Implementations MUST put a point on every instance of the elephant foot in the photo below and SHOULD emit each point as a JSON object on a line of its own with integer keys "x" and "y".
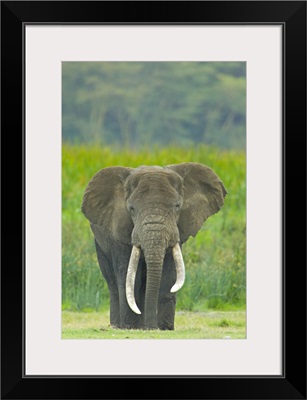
{"x": 161, "y": 328}
{"x": 127, "y": 325}
{"x": 166, "y": 327}
{"x": 150, "y": 327}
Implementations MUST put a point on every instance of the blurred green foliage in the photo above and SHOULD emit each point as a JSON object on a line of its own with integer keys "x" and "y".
{"x": 137, "y": 104}
{"x": 215, "y": 259}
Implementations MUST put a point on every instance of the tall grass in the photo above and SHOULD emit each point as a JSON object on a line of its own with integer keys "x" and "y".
{"x": 215, "y": 259}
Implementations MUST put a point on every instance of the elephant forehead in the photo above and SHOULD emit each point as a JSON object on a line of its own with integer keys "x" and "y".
{"x": 154, "y": 176}
{"x": 153, "y": 171}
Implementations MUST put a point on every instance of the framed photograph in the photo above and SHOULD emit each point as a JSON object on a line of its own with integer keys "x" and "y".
{"x": 162, "y": 149}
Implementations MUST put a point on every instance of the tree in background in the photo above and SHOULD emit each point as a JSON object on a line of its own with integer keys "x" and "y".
{"x": 137, "y": 104}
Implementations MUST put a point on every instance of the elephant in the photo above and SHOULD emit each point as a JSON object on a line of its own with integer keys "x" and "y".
{"x": 140, "y": 217}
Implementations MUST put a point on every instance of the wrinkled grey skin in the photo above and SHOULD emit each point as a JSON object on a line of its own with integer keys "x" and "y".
{"x": 152, "y": 208}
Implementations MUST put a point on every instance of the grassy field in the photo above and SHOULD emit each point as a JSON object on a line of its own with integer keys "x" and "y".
{"x": 215, "y": 259}
{"x": 189, "y": 325}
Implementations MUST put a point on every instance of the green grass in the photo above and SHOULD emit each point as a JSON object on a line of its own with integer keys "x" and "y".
{"x": 215, "y": 259}
{"x": 188, "y": 325}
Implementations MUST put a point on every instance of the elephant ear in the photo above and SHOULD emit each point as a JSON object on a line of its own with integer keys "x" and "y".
{"x": 203, "y": 196}
{"x": 104, "y": 202}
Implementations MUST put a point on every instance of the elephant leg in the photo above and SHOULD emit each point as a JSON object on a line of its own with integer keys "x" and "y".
{"x": 166, "y": 312}
{"x": 114, "y": 310}
{"x": 167, "y": 300}
{"x": 108, "y": 274}
{"x": 128, "y": 318}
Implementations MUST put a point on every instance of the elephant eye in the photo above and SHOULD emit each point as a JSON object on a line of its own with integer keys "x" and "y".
{"x": 177, "y": 205}
{"x": 130, "y": 208}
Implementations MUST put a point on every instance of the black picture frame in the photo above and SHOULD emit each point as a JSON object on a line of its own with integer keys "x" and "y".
{"x": 291, "y": 15}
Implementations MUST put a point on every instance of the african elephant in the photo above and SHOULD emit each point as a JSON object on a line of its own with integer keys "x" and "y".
{"x": 140, "y": 218}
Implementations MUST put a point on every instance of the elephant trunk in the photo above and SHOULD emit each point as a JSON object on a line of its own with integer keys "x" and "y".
{"x": 154, "y": 257}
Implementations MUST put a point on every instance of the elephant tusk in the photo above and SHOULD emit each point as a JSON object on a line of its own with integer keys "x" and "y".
{"x": 130, "y": 279}
{"x": 180, "y": 270}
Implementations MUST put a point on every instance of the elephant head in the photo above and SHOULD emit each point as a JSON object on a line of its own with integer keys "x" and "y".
{"x": 153, "y": 209}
